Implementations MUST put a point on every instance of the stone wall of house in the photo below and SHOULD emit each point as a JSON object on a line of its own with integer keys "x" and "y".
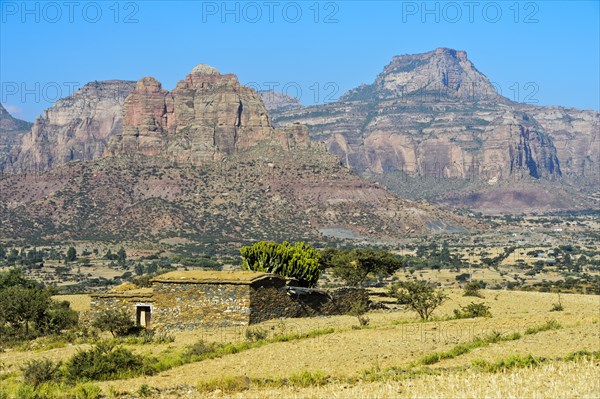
{"x": 270, "y": 302}
{"x": 190, "y": 306}
{"x": 100, "y": 303}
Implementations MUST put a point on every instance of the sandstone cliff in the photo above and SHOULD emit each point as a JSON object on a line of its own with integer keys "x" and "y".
{"x": 12, "y": 131}
{"x": 207, "y": 116}
{"x": 77, "y": 127}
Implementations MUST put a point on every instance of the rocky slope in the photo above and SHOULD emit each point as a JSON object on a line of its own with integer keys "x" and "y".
{"x": 12, "y": 131}
{"x": 433, "y": 118}
{"x": 77, "y": 127}
{"x": 265, "y": 192}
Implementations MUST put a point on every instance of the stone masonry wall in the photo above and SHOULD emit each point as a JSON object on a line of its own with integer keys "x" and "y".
{"x": 270, "y": 302}
{"x": 114, "y": 302}
{"x": 189, "y": 306}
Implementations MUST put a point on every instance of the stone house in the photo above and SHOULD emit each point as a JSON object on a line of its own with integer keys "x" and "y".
{"x": 188, "y": 300}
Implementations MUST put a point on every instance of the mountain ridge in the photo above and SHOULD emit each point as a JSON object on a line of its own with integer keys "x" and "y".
{"x": 435, "y": 114}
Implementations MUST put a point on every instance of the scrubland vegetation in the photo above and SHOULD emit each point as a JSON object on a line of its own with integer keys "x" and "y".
{"x": 445, "y": 320}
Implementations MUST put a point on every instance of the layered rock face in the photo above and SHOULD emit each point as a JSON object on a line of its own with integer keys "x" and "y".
{"x": 207, "y": 116}
{"x": 276, "y": 101}
{"x": 12, "y": 131}
{"x": 576, "y": 136}
{"x": 77, "y": 127}
{"x": 435, "y": 115}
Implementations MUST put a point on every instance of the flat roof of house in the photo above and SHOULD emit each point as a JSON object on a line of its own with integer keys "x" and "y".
{"x": 133, "y": 293}
{"x": 213, "y": 277}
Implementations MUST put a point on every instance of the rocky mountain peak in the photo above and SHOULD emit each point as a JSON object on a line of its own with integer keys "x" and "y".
{"x": 203, "y": 69}
{"x": 8, "y": 123}
{"x": 439, "y": 74}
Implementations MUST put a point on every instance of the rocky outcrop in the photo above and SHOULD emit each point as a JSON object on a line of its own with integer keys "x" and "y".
{"x": 575, "y": 134}
{"x": 277, "y": 101}
{"x": 77, "y": 127}
{"x": 12, "y": 131}
{"x": 207, "y": 116}
{"x": 10, "y": 124}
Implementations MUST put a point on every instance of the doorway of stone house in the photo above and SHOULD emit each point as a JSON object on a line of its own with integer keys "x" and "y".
{"x": 143, "y": 316}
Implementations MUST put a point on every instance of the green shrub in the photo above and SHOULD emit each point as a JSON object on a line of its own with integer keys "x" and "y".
{"x": 472, "y": 288}
{"x": 225, "y": 384}
{"x": 106, "y": 362}
{"x": 472, "y": 310}
{"x": 144, "y": 390}
{"x": 508, "y": 363}
{"x": 298, "y": 261}
{"x": 255, "y": 334}
{"x": 87, "y": 391}
{"x": 583, "y": 354}
{"x": 118, "y": 322}
{"x": 308, "y": 379}
{"x": 26, "y": 392}
{"x": 36, "y": 372}
{"x": 164, "y": 338}
{"x": 557, "y": 307}
{"x": 419, "y": 295}
{"x": 549, "y": 325}
{"x": 59, "y": 316}
{"x": 200, "y": 348}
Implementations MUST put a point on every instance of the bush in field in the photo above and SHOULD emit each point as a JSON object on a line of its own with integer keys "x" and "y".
{"x": 472, "y": 288}
{"x": 256, "y": 334}
{"x": 358, "y": 310}
{"x": 59, "y": 316}
{"x": 36, "y": 372}
{"x": 199, "y": 348}
{"x": 299, "y": 260}
{"x": 105, "y": 361}
{"x": 418, "y": 295}
{"x": 118, "y": 322}
{"x": 472, "y": 310}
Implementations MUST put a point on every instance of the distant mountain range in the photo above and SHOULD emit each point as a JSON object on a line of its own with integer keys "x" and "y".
{"x": 122, "y": 160}
{"x": 432, "y": 126}
{"x": 215, "y": 160}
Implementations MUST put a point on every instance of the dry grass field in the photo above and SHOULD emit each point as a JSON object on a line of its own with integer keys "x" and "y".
{"x": 383, "y": 359}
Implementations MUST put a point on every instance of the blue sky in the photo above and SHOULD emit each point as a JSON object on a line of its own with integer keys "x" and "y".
{"x": 537, "y": 51}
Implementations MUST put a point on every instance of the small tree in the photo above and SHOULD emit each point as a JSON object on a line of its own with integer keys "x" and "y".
{"x": 71, "y": 254}
{"x": 117, "y": 322}
{"x": 122, "y": 256}
{"x": 356, "y": 265}
{"x": 419, "y": 295}
{"x": 358, "y": 310}
{"x": 139, "y": 269}
{"x": 472, "y": 288}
